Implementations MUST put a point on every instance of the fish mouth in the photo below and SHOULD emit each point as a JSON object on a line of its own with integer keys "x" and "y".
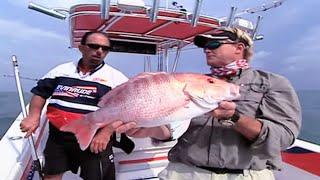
{"x": 204, "y": 102}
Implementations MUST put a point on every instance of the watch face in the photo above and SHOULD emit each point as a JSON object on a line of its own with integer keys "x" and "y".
{"x": 226, "y": 123}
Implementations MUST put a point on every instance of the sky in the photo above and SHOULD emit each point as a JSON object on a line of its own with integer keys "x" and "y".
{"x": 290, "y": 46}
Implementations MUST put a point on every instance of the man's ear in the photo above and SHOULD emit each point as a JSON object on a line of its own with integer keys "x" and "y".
{"x": 240, "y": 47}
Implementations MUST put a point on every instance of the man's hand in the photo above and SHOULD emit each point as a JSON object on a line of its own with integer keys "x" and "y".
{"x": 225, "y": 110}
{"x": 158, "y": 132}
{"x": 248, "y": 126}
{"x": 101, "y": 139}
{"x": 126, "y": 127}
{"x": 29, "y": 125}
{"x": 139, "y": 132}
{"x": 31, "y": 122}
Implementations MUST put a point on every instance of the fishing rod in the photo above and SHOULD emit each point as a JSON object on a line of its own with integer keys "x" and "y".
{"x": 36, "y": 161}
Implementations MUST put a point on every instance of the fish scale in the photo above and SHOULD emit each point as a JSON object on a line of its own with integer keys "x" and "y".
{"x": 152, "y": 96}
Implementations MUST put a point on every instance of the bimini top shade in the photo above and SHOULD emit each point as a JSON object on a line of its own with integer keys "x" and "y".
{"x": 171, "y": 28}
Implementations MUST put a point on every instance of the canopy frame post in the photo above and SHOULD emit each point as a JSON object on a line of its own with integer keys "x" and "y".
{"x": 196, "y": 13}
{"x": 154, "y": 10}
{"x": 231, "y": 16}
{"x": 105, "y": 8}
{"x": 255, "y": 35}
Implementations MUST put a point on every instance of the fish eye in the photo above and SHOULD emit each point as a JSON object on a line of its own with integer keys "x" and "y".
{"x": 211, "y": 81}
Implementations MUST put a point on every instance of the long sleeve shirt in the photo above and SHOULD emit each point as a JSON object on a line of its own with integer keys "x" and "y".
{"x": 267, "y": 97}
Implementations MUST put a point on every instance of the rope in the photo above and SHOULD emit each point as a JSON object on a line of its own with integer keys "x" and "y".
{"x": 21, "y": 77}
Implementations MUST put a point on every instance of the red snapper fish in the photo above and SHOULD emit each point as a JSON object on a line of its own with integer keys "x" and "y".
{"x": 154, "y": 99}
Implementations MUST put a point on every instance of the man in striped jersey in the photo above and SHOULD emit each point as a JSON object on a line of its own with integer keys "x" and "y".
{"x": 72, "y": 90}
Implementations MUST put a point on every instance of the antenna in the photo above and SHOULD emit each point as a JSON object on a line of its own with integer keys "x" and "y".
{"x": 263, "y": 7}
{"x": 235, "y": 19}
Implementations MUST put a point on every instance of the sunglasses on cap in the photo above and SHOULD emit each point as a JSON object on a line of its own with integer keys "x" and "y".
{"x": 97, "y": 46}
{"x": 215, "y": 44}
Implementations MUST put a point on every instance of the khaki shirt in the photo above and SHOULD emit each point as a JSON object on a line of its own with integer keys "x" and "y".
{"x": 269, "y": 98}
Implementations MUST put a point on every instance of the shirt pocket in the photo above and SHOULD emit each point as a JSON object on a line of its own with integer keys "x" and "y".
{"x": 251, "y": 97}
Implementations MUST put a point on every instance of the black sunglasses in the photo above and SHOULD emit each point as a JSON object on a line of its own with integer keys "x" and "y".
{"x": 215, "y": 44}
{"x": 97, "y": 46}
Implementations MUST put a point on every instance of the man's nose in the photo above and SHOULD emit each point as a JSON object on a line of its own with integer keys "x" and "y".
{"x": 206, "y": 50}
{"x": 100, "y": 51}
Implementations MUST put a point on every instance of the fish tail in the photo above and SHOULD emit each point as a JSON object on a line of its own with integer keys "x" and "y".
{"x": 83, "y": 130}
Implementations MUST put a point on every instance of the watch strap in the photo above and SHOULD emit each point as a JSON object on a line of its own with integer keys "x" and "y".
{"x": 235, "y": 117}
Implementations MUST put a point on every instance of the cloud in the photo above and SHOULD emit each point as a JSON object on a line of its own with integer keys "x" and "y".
{"x": 23, "y": 31}
{"x": 309, "y": 41}
{"x": 259, "y": 59}
{"x": 261, "y": 55}
{"x": 305, "y": 51}
{"x": 21, "y": 3}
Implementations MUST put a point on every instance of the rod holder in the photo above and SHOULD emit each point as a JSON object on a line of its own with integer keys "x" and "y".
{"x": 47, "y": 11}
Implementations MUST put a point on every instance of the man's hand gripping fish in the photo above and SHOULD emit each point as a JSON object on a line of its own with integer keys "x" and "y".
{"x": 154, "y": 99}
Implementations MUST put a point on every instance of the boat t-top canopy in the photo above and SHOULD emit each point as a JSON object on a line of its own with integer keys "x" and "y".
{"x": 132, "y": 30}
{"x": 136, "y": 28}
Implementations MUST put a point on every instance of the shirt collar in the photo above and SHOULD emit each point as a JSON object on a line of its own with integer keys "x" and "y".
{"x": 91, "y": 71}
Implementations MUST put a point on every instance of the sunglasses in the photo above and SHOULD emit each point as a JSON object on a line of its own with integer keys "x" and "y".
{"x": 215, "y": 44}
{"x": 97, "y": 46}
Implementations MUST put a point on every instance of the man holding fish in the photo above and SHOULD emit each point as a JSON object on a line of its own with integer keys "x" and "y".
{"x": 241, "y": 118}
{"x": 243, "y": 138}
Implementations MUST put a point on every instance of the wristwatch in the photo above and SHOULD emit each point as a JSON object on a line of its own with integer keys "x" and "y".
{"x": 230, "y": 122}
{"x": 235, "y": 117}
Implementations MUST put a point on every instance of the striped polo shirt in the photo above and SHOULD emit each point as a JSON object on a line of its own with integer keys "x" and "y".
{"x": 72, "y": 93}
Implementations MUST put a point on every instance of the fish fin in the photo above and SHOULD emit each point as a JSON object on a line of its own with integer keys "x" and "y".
{"x": 187, "y": 97}
{"x": 83, "y": 130}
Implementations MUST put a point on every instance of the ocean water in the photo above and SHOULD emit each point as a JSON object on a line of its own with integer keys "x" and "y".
{"x": 10, "y": 109}
{"x": 309, "y": 99}
{"x": 310, "y": 103}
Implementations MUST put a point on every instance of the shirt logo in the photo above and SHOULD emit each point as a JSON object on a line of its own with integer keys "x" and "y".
{"x": 99, "y": 80}
{"x": 75, "y": 91}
